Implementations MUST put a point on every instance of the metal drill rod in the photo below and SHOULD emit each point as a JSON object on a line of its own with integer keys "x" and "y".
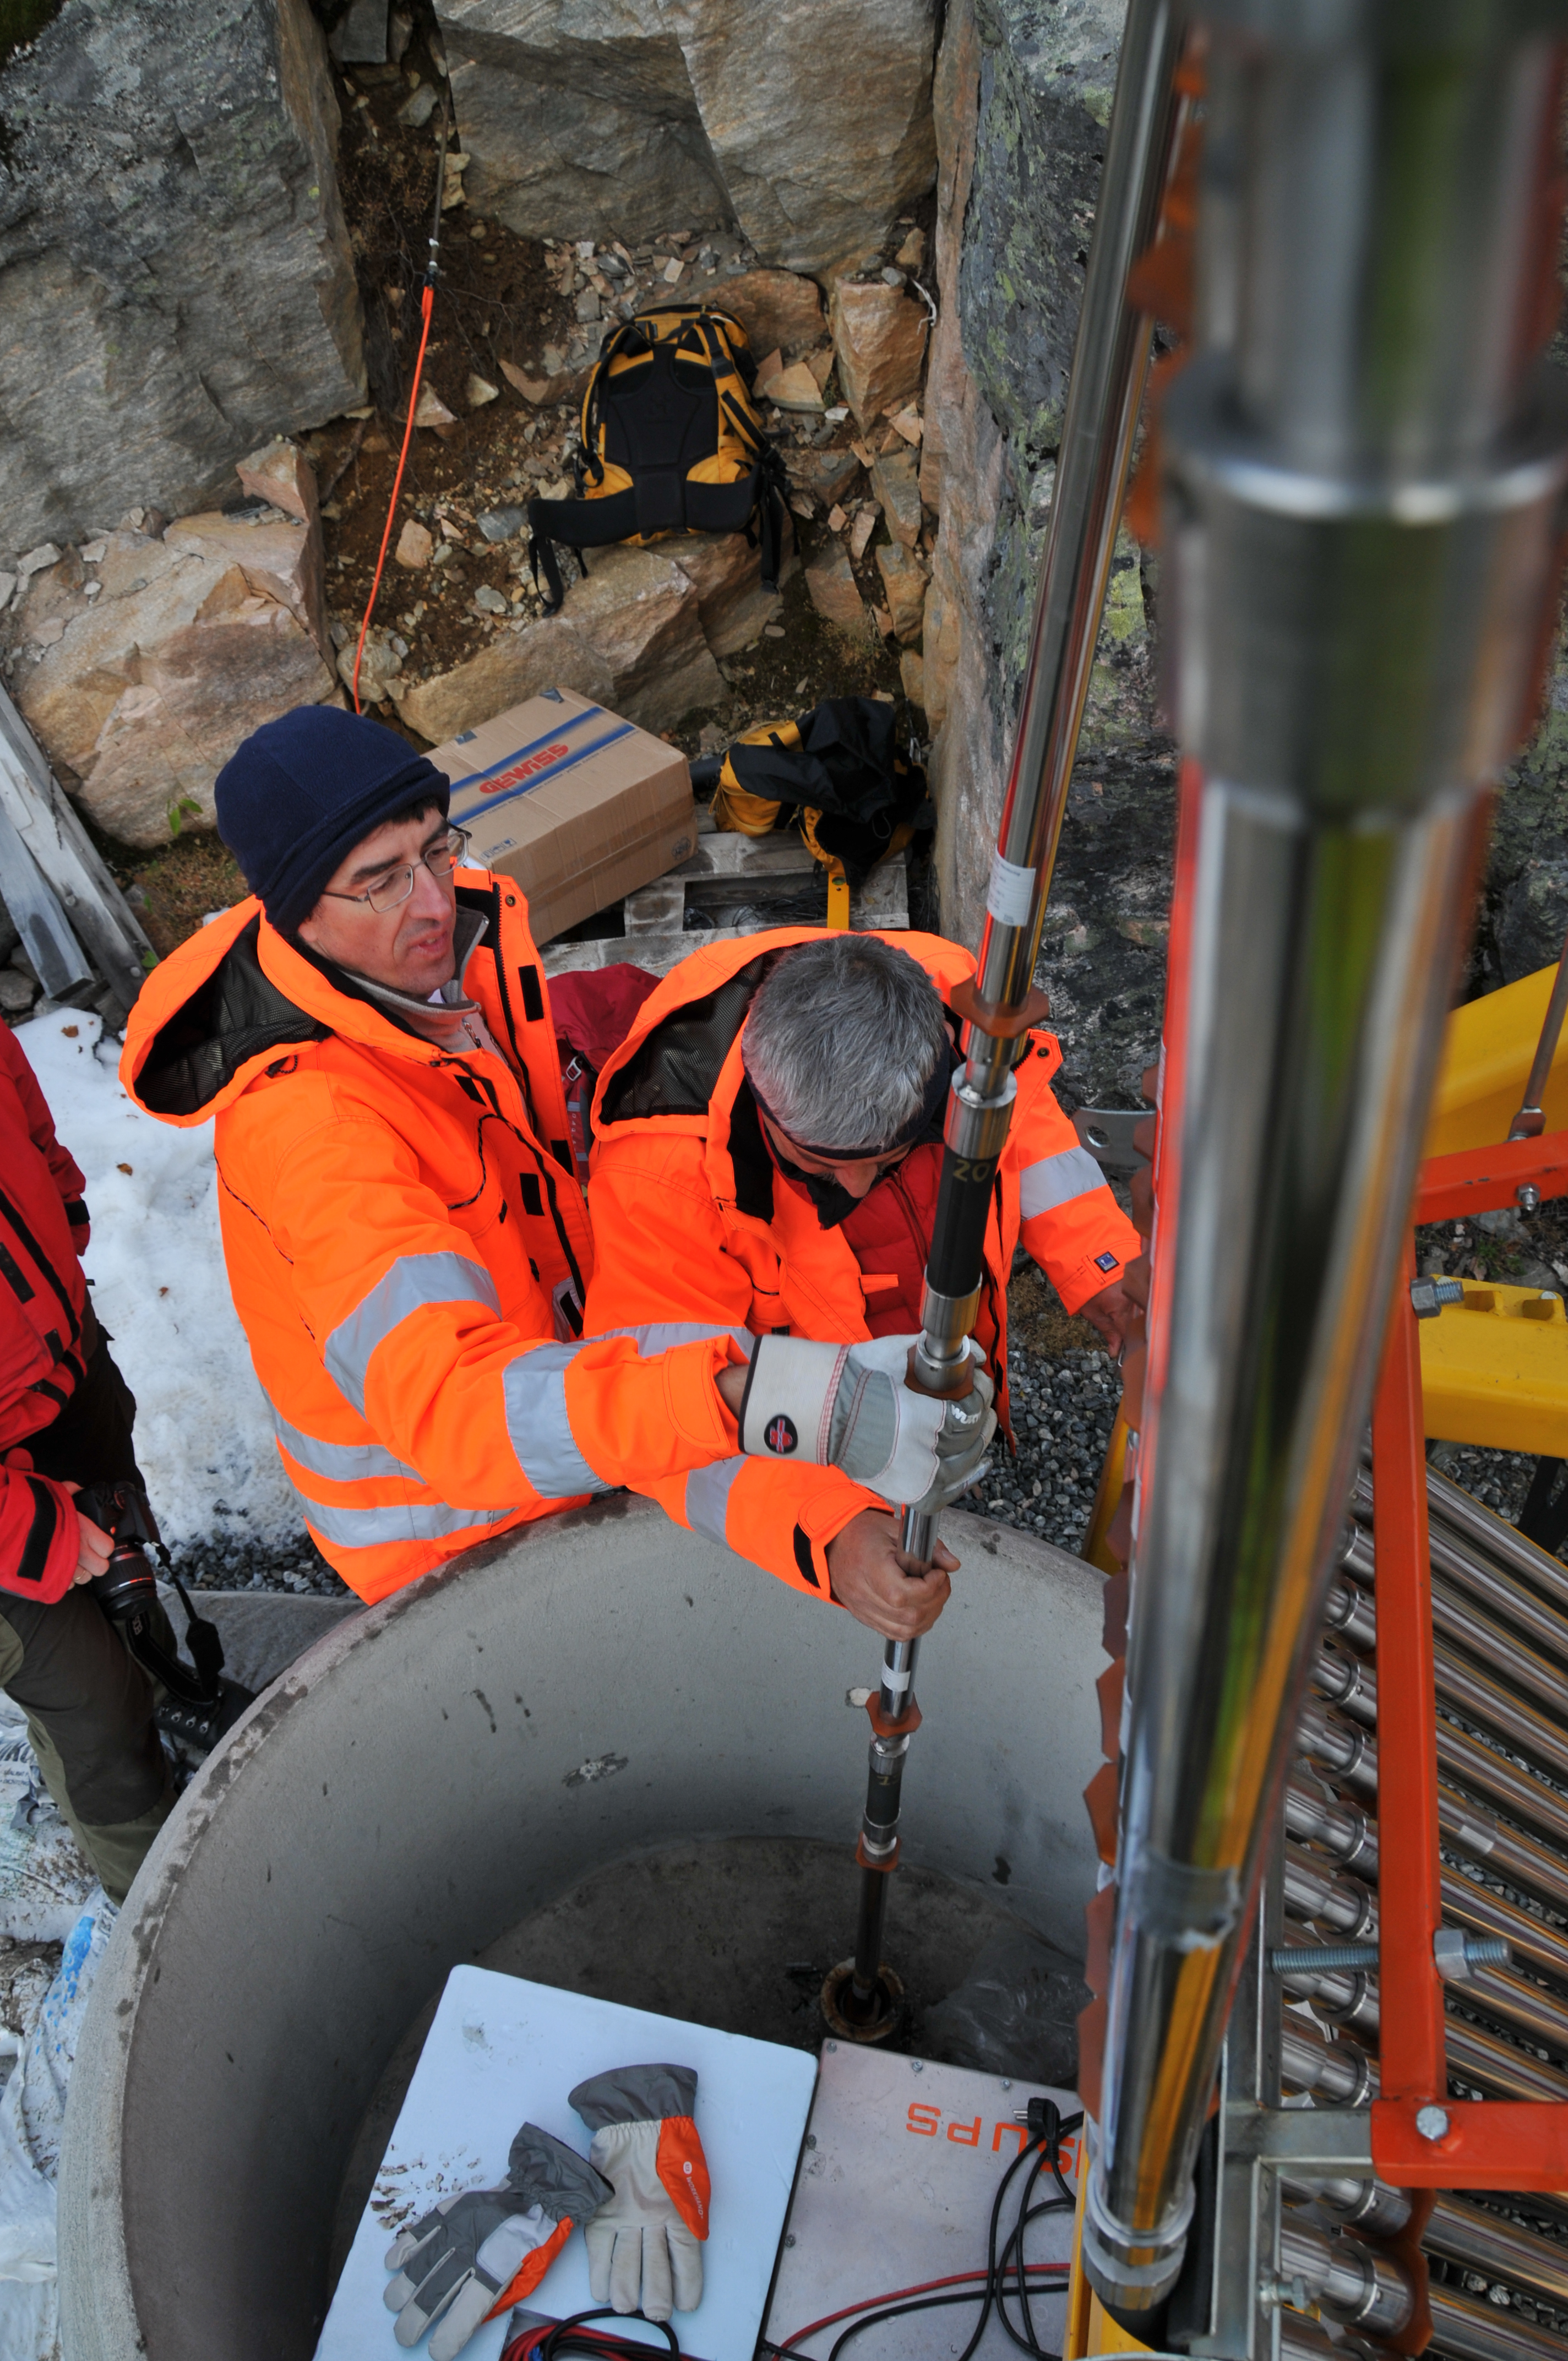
{"x": 1510, "y": 1587}
{"x": 1469, "y": 2329}
{"x": 1495, "y": 1539}
{"x": 1531, "y": 1121}
{"x": 1109, "y": 366}
{"x": 1362, "y": 487}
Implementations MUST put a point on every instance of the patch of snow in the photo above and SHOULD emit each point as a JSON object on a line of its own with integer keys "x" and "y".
{"x": 203, "y": 1432}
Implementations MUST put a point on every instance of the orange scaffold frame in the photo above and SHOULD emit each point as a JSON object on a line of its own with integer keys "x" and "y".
{"x": 1488, "y": 2143}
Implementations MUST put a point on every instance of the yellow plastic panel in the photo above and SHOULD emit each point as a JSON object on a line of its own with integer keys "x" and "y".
{"x": 1485, "y": 1064}
{"x": 1495, "y": 1370}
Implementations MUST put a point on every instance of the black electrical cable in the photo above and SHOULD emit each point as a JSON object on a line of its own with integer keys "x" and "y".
{"x": 1050, "y": 2129}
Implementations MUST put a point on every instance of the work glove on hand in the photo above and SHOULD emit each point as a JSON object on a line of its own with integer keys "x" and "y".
{"x": 644, "y": 2243}
{"x": 487, "y": 2248}
{"x": 847, "y": 1406}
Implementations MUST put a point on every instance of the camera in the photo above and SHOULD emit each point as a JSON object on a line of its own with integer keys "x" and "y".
{"x": 122, "y": 1510}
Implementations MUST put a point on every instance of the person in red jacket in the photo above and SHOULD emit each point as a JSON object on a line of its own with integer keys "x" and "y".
{"x": 65, "y": 1422}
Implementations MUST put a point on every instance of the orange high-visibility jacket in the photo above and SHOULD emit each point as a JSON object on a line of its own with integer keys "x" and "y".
{"x": 407, "y": 1247}
{"x": 693, "y": 1221}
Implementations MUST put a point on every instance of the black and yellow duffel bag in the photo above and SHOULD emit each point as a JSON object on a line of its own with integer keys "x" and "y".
{"x": 837, "y": 775}
{"x": 672, "y": 441}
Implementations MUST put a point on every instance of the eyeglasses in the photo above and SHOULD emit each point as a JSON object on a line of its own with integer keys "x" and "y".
{"x": 386, "y": 893}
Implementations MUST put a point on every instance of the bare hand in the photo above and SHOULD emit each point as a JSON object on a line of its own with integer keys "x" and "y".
{"x": 1110, "y": 1312}
{"x": 879, "y": 1586}
{"x": 94, "y": 1547}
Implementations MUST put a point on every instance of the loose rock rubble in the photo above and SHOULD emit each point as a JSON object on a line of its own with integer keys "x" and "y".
{"x": 1064, "y": 1406}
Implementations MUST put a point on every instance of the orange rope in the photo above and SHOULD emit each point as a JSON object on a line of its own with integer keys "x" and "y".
{"x": 427, "y": 301}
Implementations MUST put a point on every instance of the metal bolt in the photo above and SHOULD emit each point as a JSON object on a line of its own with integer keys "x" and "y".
{"x": 1432, "y": 2123}
{"x": 789, "y": 2237}
{"x": 1321, "y": 1958}
{"x": 811, "y": 2139}
{"x": 1527, "y": 1197}
{"x": 1454, "y": 1955}
{"x": 1275, "y": 2295}
{"x": 918, "y": 2066}
{"x": 1007, "y": 2082}
{"x": 1428, "y": 1296}
{"x": 829, "y": 2045}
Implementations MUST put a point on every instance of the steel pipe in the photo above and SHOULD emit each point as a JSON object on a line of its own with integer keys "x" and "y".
{"x": 1496, "y": 1539}
{"x": 1105, "y": 393}
{"x": 1457, "y": 2229}
{"x": 1351, "y": 1685}
{"x": 1461, "y": 1622}
{"x": 1362, "y": 490}
{"x": 1352, "y": 2281}
{"x": 1481, "y": 2331}
{"x": 1343, "y": 1830}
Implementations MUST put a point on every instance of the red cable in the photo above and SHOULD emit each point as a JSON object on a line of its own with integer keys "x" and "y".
{"x": 875, "y": 2303}
{"x": 427, "y": 305}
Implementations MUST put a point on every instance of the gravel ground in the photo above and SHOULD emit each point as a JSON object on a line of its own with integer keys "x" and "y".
{"x": 1064, "y": 1406}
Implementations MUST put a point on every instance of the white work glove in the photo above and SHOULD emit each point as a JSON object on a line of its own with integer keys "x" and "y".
{"x": 486, "y": 2248}
{"x": 847, "y": 1406}
{"x": 644, "y": 2243}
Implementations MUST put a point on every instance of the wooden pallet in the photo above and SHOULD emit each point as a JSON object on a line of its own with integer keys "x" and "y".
{"x": 727, "y": 869}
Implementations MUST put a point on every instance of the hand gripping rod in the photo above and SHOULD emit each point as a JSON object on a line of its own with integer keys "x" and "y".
{"x": 1109, "y": 366}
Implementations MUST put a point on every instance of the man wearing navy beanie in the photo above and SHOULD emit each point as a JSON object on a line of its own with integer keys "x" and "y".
{"x": 406, "y": 1240}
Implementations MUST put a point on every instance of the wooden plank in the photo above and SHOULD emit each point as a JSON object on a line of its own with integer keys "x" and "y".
{"x": 62, "y": 967}
{"x": 657, "y": 953}
{"x": 100, "y": 918}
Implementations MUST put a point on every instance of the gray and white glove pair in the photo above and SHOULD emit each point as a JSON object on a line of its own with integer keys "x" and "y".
{"x": 486, "y": 2248}
{"x": 847, "y": 1406}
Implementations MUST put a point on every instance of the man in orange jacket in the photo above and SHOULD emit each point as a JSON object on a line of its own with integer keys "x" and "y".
{"x": 405, "y": 1239}
{"x": 767, "y": 1153}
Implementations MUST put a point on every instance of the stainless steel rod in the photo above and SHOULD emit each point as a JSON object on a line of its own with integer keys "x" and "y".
{"x": 1497, "y": 1539}
{"x": 1480, "y": 2332}
{"x": 1456, "y": 2228}
{"x": 1530, "y": 1121}
{"x": 1352, "y": 2281}
{"x": 1500, "y": 1591}
{"x": 1362, "y": 492}
{"x": 1105, "y": 391}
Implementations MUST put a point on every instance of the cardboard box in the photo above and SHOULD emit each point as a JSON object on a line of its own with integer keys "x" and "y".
{"x": 577, "y": 805}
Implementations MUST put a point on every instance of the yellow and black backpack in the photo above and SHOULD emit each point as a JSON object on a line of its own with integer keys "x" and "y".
{"x": 672, "y": 441}
{"x": 837, "y": 775}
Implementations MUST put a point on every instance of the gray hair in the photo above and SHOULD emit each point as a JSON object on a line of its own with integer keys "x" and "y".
{"x": 842, "y": 1039}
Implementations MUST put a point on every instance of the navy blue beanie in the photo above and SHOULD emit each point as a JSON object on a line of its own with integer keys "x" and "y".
{"x": 301, "y": 792}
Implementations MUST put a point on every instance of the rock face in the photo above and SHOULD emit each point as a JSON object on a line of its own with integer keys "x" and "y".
{"x": 728, "y": 578}
{"x": 644, "y": 618}
{"x": 1526, "y": 917}
{"x": 1022, "y": 96}
{"x": 514, "y": 667}
{"x": 580, "y": 117}
{"x": 160, "y": 655}
{"x": 808, "y": 122}
{"x": 169, "y": 209}
{"x": 780, "y": 311}
{"x": 879, "y": 335}
{"x": 835, "y": 593}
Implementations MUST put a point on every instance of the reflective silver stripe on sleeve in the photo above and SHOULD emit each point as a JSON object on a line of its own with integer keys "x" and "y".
{"x": 413, "y": 1282}
{"x": 397, "y": 1521}
{"x": 541, "y": 1431}
{"x": 708, "y": 1498}
{"x": 663, "y": 1335}
{"x": 341, "y": 1462}
{"x": 1056, "y": 1180}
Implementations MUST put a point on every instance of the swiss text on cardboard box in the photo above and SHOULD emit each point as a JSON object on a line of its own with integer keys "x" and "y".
{"x": 577, "y": 805}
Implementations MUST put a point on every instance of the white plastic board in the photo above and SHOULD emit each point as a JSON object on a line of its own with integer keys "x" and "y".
{"x": 502, "y": 2052}
{"x": 896, "y": 2185}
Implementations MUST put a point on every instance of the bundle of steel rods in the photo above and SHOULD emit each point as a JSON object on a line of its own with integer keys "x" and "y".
{"x": 1500, "y": 1617}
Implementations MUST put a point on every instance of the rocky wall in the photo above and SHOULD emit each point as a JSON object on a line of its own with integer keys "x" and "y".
{"x": 808, "y": 123}
{"x": 1022, "y": 97}
{"x": 176, "y": 282}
